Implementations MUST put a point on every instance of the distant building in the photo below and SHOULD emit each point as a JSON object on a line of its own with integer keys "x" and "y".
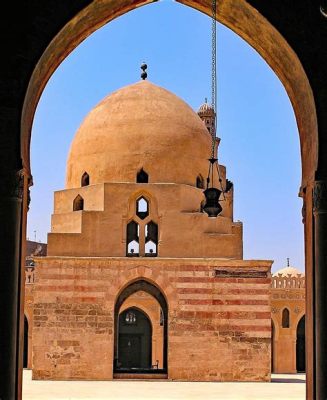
{"x": 288, "y": 320}
{"x": 33, "y": 249}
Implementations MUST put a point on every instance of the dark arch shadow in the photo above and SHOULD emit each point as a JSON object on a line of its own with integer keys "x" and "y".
{"x": 300, "y": 345}
{"x": 25, "y": 356}
{"x": 145, "y": 286}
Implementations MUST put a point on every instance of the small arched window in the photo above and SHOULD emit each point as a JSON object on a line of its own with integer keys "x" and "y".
{"x": 142, "y": 208}
{"x": 286, "y": 318}
{"x": 132, "y": 239}
{"x": 78, "y": 203}
{"x": 85, "y": 181}
{"x": 200, "y": 182}
{"x": 142, "y": 176}
{"x": 151, "y": 239}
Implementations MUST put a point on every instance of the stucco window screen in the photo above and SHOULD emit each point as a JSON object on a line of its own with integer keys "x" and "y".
{"x": 130, "y": 317}
{"x": 142, "y": 208}
{"x": 132, "y": 240}
{"x": 78, "y": 203}
{"x": 142, "y": 176}
{"x": 151, "y": 239}
{"x": 286, "y": 318}
{"x": 200, "y": 182}
{"x": 85, "y": 180}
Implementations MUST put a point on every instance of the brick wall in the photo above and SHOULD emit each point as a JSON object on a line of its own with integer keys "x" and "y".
{"x": 219, "y": 327}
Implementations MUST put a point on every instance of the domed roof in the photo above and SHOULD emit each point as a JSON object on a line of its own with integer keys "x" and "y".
{"x": 206, "y": 110}
{"x": 288, "y": 271}
{"x": 139, "y": 126}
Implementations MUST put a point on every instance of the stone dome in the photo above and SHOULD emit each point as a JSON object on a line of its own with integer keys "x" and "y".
{"x": 140, "y": 126}
{"x": 288, "y": 271}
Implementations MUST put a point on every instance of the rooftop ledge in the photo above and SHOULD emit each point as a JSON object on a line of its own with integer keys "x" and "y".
{"x": 144, "y": 261}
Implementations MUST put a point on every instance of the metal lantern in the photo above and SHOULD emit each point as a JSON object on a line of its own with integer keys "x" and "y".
{"x": 212, "y": 206}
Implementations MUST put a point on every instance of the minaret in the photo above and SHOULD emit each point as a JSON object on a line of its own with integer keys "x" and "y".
{"x": 207, "y": 114}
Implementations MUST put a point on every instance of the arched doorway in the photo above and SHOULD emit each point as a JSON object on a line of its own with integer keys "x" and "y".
{"x": 25, "y": 357}
{"x": 133, "y": 332}
{"x": 300, "y": 345}
{"x": 134, "y": 340}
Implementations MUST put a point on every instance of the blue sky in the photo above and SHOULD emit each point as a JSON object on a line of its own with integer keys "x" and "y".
{"x": 260, "y": 141}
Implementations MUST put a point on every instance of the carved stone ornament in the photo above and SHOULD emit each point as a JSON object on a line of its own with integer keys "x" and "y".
{"x": 275, "y": 310}
{"x": 304, "y": 209}
{"x": 297, "y": 310}
{"x": 18, "y": 185}
{"x": 320, "y": 196}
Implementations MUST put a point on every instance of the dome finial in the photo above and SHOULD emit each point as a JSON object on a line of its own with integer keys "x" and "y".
{"x": 143, "y": 68}
{"x": 288, "y": 262}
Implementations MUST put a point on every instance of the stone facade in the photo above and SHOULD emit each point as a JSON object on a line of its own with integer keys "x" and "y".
{"x": 218, "y": 320}
{"x": 287, "y": 292}
{"x": 288, "y": 321}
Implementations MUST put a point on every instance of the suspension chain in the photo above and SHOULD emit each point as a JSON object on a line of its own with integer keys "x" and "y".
{"x": 214, "y": 74}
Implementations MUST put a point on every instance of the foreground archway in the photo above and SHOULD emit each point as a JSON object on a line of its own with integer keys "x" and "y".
{"x": 133, "y": 332}
{"x": 245, "y": 21}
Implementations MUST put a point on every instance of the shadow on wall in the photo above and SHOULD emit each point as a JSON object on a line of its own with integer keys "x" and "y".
{"x": 300, "y": 378}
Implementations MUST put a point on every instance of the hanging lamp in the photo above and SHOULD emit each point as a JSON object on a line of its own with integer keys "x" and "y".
{"x": 212, "y": 194}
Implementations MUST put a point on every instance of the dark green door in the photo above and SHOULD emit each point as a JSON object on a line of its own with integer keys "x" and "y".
{"x": 134, "y": 340}
{"x": 130, "y": 350}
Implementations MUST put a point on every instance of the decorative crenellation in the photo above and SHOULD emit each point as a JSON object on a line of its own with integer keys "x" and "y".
{"x": 288, "y": 282}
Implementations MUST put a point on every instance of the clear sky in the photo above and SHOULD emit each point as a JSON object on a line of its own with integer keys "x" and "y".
{"x": 259, "y": 137}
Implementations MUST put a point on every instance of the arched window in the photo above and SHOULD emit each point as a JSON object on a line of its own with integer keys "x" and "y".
{"x": 132, "y": 239}
{"x": 78, "y": 203}
{"x": 286, "y": 318}
{"x": 151, "y": 239}
{"x": 142, "y": 208}
{"x": 200, "y": 182}
{"x": 85, "y": 181}
{"x": 142, "y": 176}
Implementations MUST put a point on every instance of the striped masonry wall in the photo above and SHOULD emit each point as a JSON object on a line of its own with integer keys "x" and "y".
{"x": 219, "y": 316}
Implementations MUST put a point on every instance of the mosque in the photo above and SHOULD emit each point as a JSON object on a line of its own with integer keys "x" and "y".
{"x": 138, "y": 281}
